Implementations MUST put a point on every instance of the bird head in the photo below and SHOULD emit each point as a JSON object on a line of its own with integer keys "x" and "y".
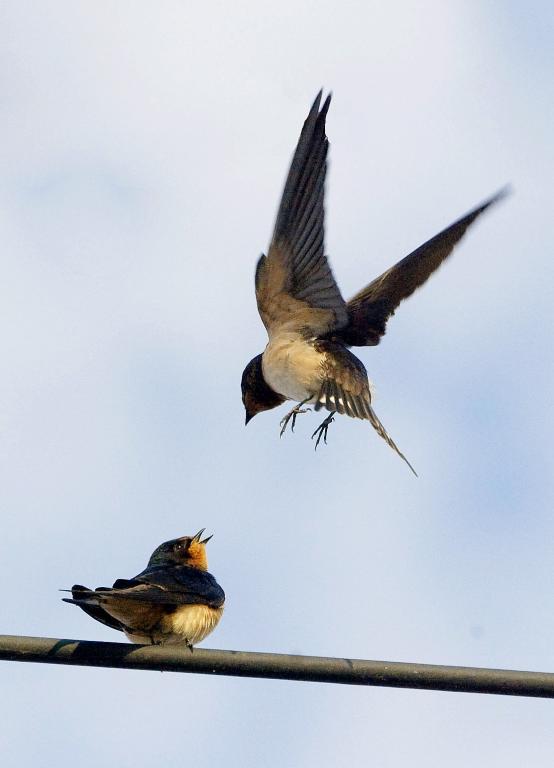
{"x": 188, "y": 550}
{"x": 257, "y": 396}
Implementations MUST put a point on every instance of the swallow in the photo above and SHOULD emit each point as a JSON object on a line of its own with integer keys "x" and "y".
{"x": 309, "y": 325}
{"x": 174, "y": 600}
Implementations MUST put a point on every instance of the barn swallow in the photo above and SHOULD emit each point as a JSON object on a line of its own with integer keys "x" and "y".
{"x": 309, "y": 325}
{"x": 174, "y": 600}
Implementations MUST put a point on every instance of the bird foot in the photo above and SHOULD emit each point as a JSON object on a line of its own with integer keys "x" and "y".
{"x": 321, "y": 431}
{"x": 292, "y": 415}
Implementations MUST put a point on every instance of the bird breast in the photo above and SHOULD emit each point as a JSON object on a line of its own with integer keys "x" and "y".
{"x": 187, "y": 623}
{"x": 292, "y": 367}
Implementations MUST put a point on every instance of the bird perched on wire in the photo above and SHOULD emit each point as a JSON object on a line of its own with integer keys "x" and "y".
{"x": 310, "y": 326}
{"x": 174, "y": 600}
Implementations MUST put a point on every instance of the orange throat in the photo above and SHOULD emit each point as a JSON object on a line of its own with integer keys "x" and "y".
{"x": 196, "y": 556}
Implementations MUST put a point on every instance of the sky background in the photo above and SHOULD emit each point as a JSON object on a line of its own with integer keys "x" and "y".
{"x": 143, "y": 149}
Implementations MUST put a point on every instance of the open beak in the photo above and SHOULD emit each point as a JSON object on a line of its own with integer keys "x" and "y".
{"x": 196, "y": 538}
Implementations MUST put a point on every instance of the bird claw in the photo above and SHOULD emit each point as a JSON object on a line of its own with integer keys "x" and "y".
{"x": 321, "y": 431}
{"x": 291, "y": 415}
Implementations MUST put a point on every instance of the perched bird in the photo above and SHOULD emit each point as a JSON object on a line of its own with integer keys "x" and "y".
{"x": 309, "y": 325}
{"x": 174, "y": 600}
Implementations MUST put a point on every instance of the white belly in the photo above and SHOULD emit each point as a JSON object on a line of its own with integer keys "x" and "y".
{"x": 188, "y": 624}
{"x": 292, "y": 368}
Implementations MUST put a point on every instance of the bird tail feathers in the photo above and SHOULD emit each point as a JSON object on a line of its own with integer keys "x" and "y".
{"x": 380, "y": 429}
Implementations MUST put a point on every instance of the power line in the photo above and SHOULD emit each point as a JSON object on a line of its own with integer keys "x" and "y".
{"x": 277, "y": 666}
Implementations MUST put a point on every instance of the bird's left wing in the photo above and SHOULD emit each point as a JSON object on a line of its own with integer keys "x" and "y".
{"x": 295, "y": 287}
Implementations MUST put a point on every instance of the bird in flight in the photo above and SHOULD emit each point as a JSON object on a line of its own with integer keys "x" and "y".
{"x": 174, "y": 600}
{"x": 309, "y": 324}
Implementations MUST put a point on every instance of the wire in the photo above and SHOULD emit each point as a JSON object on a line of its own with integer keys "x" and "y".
{"x": 277, "y": 666}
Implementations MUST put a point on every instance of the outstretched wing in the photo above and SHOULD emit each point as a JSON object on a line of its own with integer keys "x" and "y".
{"x": 369, "y": 310}
{"x": 294, "y": 283}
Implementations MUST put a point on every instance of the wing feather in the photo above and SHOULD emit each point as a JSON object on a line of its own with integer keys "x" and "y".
{"x": 370, "y": 309}
{"x": 294, "y": 283}
{"x": 84, "y": 598}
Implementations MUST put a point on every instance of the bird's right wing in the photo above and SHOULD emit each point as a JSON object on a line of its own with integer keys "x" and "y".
{"x": 176, "y": 585}
{"x": 156, "y": 587}
{"x": 370, "y": 309}
{"x": 295, "y": 287}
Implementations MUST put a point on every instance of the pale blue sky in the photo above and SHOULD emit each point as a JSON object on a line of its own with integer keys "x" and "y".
{"x": 143, "y": 150}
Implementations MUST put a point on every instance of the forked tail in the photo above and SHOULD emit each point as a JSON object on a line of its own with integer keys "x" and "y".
{"x": 380, "y": 429}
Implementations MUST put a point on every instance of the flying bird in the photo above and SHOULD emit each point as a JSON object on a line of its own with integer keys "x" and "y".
{"x": 309, "y": 325}
{"x": 174, "y": 600}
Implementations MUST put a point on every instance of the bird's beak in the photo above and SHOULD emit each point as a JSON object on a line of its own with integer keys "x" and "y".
{"x": 248, "y": 417}
{"x": 196, "y": 538}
